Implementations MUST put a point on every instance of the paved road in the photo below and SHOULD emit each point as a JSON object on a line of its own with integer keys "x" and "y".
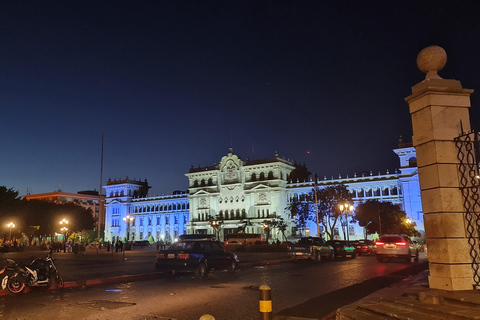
{"x": 303, "y": 289}
{"x": 102, "y": 264}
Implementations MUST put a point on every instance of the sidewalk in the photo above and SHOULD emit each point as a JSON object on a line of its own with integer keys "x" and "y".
{"x": 412, "y": 299}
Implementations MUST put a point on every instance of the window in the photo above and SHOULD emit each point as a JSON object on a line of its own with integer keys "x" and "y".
{"x": 158, "y": 220}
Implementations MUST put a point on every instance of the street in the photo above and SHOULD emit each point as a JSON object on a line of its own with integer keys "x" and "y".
{"x": 302, "y": 289}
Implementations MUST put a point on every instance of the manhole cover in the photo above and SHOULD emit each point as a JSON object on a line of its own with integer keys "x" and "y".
{"x": 104, "y": 304}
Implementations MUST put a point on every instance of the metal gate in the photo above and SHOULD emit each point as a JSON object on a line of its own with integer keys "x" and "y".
{"x": 468, "y": 155}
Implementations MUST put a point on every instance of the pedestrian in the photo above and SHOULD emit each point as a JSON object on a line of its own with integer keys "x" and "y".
{"x": 108, "y": 246}
{"x": 75, "y": 248}
{"x": 121, "y": 245}
{"x": 158, "y": 245}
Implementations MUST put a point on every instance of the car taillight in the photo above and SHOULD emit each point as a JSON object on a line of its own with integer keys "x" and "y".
{"x": 2, "y": 270}
{"x": 401, "y": 244}
{"x": 183, "y": 256}
{"x": 160, "y": 256}
{"x": 379, "y": 244}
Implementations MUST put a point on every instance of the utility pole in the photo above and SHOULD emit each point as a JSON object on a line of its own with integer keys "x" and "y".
{"x": 316, "y": 205}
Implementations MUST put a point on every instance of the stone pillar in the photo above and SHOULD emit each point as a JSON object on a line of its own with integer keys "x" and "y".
{"x": 437, "y": 107}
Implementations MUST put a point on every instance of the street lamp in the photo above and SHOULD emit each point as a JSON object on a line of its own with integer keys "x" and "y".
{"x": 127, "y": 220}
{"x": 11, "y": 225}
{"x": 346, "y": 209}
{"x": 64, "y": 230}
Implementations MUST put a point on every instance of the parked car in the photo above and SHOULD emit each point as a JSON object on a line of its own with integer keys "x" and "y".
{"x": 141, "y": 243}
{"x": 396, "y": 246}
{"x": 198, "y": 256}
{"x": 342, "y": 249}
{"x": 364, "y": 246}
{"x": 314, "y": 248}
{"x": 235, "y": 243}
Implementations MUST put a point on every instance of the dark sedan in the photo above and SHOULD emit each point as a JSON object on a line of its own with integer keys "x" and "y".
{"x": 198, "y": 256}
{"x": 364, "y": 246}
{"x": 342, "y": 249}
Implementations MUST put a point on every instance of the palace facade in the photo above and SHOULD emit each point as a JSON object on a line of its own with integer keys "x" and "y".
{"x": 235, "y": 191}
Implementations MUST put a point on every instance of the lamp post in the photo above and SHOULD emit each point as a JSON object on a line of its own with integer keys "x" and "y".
{"x": 346, "y": 209}
{"x": 64, "y": 230}
{"x": 127, "y": 220}
{"x": 11, "y": 225}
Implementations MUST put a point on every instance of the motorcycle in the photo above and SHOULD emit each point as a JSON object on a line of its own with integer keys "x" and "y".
{"x": 41, "y": 272}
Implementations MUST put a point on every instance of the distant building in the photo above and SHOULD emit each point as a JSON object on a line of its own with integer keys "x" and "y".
{"x": 86, "y": 199}
{"x": 255, "y": 190}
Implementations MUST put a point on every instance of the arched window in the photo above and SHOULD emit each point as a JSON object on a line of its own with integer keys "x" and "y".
{"x": 394, "y": 191}
{"x": 385, "y": 191}
{"x": 376, "y": 192}
{"x": 237, "y": 214}
{"x": 412, "y": 162}
{"x": 270, "y": 175}
{"x": 210, "y": 182}
{"x": 368, "y": 193}
{"x": 254, "y": 177}
{"x": 244, "y": 214}
{"x": 195, "y": 184}
{"x": 361, "y": 193}
{"x": 262, "y": 176}
{"x": 202, "y": 183}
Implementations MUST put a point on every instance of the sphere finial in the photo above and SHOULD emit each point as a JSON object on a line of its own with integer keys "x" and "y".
{"x": 431, "y": 60}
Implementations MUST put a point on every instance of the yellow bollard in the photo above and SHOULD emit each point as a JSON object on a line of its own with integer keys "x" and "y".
{"x": 207, "y": 317}
{"x": 265, "y": 303}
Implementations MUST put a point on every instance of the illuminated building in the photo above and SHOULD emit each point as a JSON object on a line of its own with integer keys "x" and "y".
{"x": 235, "y": 191}
{"x": 86, "y": 199}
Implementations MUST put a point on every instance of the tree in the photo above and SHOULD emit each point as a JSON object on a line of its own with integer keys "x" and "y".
{"x": 300, "y": 212}
{"x": 384, "y": 218}
{"x": 282, "y": 227}
{"x": 217, "y": 224}
{"x": 246, "y": 222}
{"x": 329, "y": 212}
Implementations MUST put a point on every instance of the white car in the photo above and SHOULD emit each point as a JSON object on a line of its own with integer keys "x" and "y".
{"x": 396, "y": 246}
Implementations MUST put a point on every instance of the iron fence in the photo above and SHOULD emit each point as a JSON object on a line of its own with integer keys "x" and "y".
{"x": 468, "y": 154}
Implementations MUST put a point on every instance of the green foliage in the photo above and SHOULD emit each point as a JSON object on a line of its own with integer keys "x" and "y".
{"x": 38, "y": 218}
{"x": 329, "y": 199}
{"x": 89, "y": 236}
{"x": 151, "y": 240}
{"x": 300, "y": 211}
{"x": 392, "y": 218}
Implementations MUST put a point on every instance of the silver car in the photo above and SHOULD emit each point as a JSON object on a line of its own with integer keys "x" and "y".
{"x": 396, "y": 246}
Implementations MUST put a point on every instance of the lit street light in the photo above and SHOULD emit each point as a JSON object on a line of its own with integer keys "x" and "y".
{"x": 11, "y": 225}
{"x": 128, "y": 219}
{"x": 346, "y": 209}
{"x": 64, "y": 230}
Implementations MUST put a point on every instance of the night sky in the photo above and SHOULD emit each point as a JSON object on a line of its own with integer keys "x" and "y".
{"x": 177, "y": 83}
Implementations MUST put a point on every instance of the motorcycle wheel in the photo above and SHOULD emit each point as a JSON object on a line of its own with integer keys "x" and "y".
{"x": 57, "y": 281}
{"x": 14, "y": 286}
